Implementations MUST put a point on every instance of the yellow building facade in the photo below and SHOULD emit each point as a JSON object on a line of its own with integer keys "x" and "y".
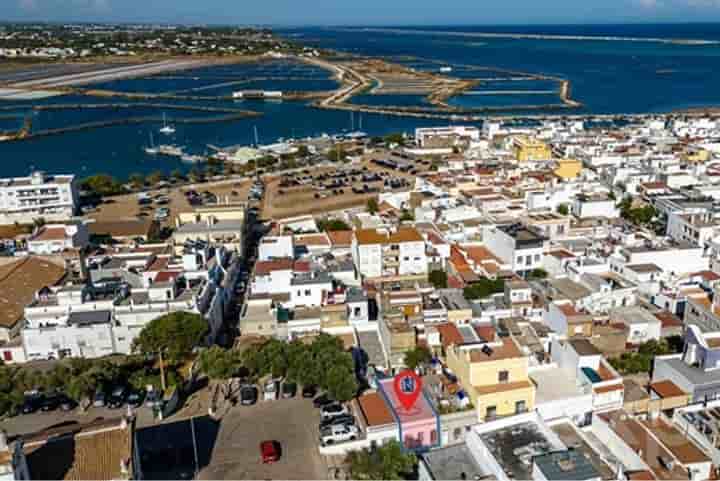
{"x": 529, "y": 149}
{"x": 495, "y": 376}
{"x": 568, "y": 169}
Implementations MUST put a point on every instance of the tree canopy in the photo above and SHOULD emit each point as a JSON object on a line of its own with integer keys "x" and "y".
{"x": 372, "y": 206}
{"x": 323, "y": 363}
{"x": 417, "y": 357}
{"x": 102, "y": 185}
{"x": 174, "y": 334}
{"x": 438, "y": 279}
{"x": 483, "y": 288}
{"x": 387, "y": 461}
{"x": 332, "y": 225}
{"x": 219, "y": 363}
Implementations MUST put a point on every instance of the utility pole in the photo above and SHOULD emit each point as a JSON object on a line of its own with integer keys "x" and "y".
{"x": 162, "y": 372}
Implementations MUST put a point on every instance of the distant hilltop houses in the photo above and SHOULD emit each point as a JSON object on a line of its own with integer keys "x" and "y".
{"x": 553, "y": 285}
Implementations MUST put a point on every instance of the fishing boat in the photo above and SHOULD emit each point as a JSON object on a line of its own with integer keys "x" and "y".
{"x": 170, "y": 150}
{"x": 167, "y": 129}
{"x": 192, "y": 159}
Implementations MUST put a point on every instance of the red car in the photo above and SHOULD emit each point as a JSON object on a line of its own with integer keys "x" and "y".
{"x": 270, "y": 451}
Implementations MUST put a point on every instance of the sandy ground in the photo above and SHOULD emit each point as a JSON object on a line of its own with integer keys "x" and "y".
{"x": 126, "y": 206}
{"x": 301, "y": 200}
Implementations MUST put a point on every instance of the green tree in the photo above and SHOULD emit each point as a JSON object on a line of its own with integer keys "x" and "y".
{"x": 303, "y": 151}
{"x": 538, "y": 274}
{"x": 332, "y": 225}
{"x": 387, "y": 461}
{"x": 483, "y": 288}
{"x": 177, "y": 175}
{"x": 337, "y": 154}
{"x": 219, "y": 363}
{"x": 563, "y": 209}
{"x": 395, "y": 138}
{"x": 137, "y": 180}
{"x": 439, "y": 279}
{"x": 175, "y": 335}
{"x": 372, "y": 205}
{"x": 417, "y": 357}
{"x": 102, "y": 185}
{"x": 155, "y": 177}
{"x": 407, "y": 216}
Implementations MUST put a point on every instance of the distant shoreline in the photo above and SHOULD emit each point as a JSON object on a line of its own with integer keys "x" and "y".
{"x": 538, "y": 36}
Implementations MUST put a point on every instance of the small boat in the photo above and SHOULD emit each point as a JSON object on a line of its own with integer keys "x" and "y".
{"x": 152, "y": 150}
{"x": 171, "y": 150}
{"x": 192, "y": 159}
{"x": 167, "y": 129}
{"x": 446, "y": 69}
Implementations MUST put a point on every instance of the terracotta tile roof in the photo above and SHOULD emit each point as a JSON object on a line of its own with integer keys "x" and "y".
{"x": 46, "y": 234}
{"x": 404, "y": 234}
{"x": 640, "y": 476}
{"x": 301, "y": 266}
{"x": 562, "y": 254}
{"x": 159, "y": 264}
{"x": 340, "y": 238}
{"x": 504, "y": 387}
{"x": 266, "y": 267}
{"x": 455, "y": 282}
{"x": 122, "y": 228}
{"x": 610, "y": 388}
{"x": 375, "y": 410}
{"x": 668, "y": 319}
{"x": 568, "y": 309}
{"x": 486, "y": 333}
{"x": 707, "y": 275}
{"x": 505, "y": 349}
{"x": 166, "y": 276}
{"x": 91, "y": 451}
{"x": 449, "y": 334}
{"x": 639, "y": 439}
{"x": 312, "y": 240}
{"x": 19, "y": 281}
{"x": 480, "y": 254}
{"x": 666, "y": 389}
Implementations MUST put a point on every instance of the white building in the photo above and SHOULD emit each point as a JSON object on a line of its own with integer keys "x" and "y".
{"x": 389, "y": 254}
{"x": 276, "y": 247}
{"x": 519, "y": 246}
{"x": 55, "y": 238}
{"x": 586, "y": 206}
{"x": 39, "y": 196}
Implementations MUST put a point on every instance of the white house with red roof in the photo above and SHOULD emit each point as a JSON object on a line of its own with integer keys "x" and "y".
{"x": 55, "y": 238}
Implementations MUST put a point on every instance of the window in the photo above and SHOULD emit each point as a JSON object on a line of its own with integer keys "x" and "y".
{"x": 519, "y": 260}
{"x": 491, "y": 412}
{"x": 357, "y": 311}
{"x": 520, "y": 407}
{"x": 503, "y": 376}
{"x": 457, "y": 432}
{"x": 307, "y": 292}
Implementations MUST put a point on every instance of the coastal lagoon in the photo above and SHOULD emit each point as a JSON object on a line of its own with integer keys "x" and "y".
{"x": 618, "y": 76}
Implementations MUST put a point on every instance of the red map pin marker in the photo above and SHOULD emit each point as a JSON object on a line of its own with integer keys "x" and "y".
{"x": 408, "y": 386}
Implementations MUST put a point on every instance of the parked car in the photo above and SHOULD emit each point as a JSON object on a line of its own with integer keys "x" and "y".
{"x": 270, "y": 390}
{"x": 333, "y": 410}
{"x": 269, "y": 451}
{"x": 117, "y": 397}
{"x": 99, "y": 399}
{"x": 50, "y": 402}
{"x": 289, "y": 389}
{"x": 309, "y": 391}
{"x": 338, "y": 433}
{"x": 31, "y": 403}
{"x": 153, "y": 398}
{"x": 67, "y": 404}
{"x": 322, "y": 400}
{"x": 339, "y": 420}
{"x": 135, "y": 398}
{"x": 248, "y": 395}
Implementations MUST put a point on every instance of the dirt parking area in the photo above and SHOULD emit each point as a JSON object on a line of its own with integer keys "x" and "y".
{"x": 127, "y": 207}
{"x": 314, "y": 197}
{"x": 291, "y": 422}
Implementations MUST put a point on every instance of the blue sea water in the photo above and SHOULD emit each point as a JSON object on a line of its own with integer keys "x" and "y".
{"x": 606, "y": 76}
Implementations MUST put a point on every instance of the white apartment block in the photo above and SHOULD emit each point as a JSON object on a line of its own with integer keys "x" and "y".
{"x": 521, "y": 247}
{"x": 24, "y": 199}
{"x": 389, "y": 254}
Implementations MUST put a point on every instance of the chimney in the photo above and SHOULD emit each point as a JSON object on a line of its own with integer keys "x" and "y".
{"x": 124, "y": 423}
{"x": 4, "y": 441}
